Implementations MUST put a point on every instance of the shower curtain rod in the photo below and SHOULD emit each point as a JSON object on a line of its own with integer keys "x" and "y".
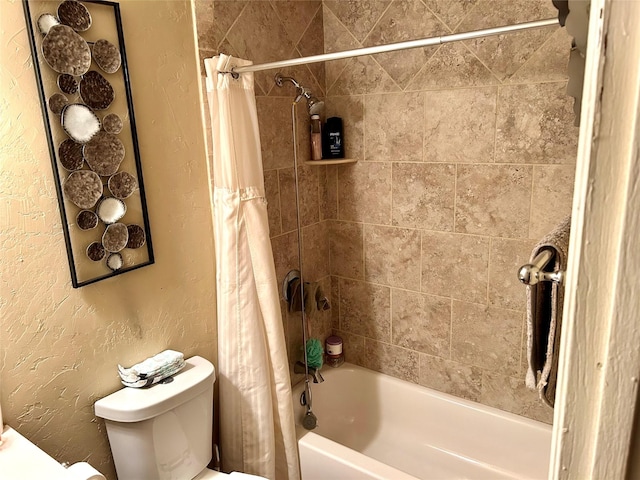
{"x": 391, "y": 47}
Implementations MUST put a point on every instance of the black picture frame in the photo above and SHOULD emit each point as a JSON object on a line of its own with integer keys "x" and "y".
{"x": 90, "y": 272}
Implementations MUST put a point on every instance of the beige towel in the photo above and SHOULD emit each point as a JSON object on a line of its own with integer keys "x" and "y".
{"x": 544, "y": 316}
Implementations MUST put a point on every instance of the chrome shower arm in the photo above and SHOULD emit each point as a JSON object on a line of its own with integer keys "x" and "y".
{"x": 280, "y": 79}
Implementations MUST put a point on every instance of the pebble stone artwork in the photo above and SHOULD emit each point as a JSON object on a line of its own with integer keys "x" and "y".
{"x": 91, "y": 152}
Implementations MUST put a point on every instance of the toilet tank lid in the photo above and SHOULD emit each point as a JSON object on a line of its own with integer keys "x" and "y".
{"x": 137, "y": 404}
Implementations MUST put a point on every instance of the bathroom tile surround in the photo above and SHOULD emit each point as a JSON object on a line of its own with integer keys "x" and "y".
{"x": 466, "y": 158}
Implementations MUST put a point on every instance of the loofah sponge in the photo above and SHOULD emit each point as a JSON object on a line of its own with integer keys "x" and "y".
{"x": 315, "y": 353}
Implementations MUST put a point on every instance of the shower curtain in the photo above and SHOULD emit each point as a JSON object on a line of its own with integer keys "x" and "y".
{"x": 257, "y": 433}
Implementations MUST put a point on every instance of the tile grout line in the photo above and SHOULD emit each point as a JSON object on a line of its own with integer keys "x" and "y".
{"x": 540, "y": 47}
{"x": 500, "y": 82}
{"x": 347, "y": 62}
{"x": 233, "y": 24}
{"x": 377, "y": 22}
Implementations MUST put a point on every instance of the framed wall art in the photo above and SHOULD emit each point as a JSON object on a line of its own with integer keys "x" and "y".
{"x": 83, "y": 81}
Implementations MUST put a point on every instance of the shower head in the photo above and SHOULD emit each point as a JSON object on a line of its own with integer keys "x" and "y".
{"x": 314, "y": 106}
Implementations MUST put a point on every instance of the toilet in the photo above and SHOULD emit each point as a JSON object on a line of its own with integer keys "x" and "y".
{"x": 165, "y": 431}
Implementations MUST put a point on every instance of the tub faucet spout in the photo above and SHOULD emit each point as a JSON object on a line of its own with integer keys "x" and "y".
{"x": 314, "y": 373}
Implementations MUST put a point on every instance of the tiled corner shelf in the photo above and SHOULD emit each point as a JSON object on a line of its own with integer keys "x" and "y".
{"x": 336, "y": 161}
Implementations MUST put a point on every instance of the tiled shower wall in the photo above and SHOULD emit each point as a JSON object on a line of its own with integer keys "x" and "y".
{"x": 466, "y": 158}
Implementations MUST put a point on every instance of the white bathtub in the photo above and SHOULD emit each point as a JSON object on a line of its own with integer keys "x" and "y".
{"x": 373, "y": 426}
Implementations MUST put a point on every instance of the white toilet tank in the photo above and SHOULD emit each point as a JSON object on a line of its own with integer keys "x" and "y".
{"x": 162, "y": 432}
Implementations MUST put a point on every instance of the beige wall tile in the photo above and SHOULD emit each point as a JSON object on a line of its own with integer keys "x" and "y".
{"x": 351, "y": 110}
{"x": 506, "y": 258}
{"x": 296, "y": 16}
{"x": 493, "y": 200}
{"x": 336, "y": 38}
{"x": 312, "y": 43}
{"x": 207, "y": 38}
{"x": 272, "y": 193}
{"x": 450, "y": 377}
{"x": 510, "y": 394}
{"x": 364, "y": 192}
{"x": 455, "y": 265}
{"x": 535, "y": 124}
{"x": 423, "y": 195}
{"x": 421, "y": 322}
{"x": 392, "y": 360}
{"x": 358, "y": 16}
{"x": 258, "y": 21}
{"x": 315, "y": 252}
{"x": 365, "y": 309}
{"x": 460, "y": 125}
{"x": 392, "y": 256}
{"x": 486, "y": 337}
{"x": 352, "y": 347}
{"x": 286, "y": 179}
{"x": 451, "y": 12}
{"x": 274, "y": 121}
{"x": 362, "y": 75}
{"x": 452, "y": 65}
{"x": 548, "y": 63}
{"x": 309, "y": 193}
{"x": 225, "y": 13}
{"x": 393, "y": 127}
{"x": 335, "y": 303}
{"x": 504, "y": 54}
{"x": 551, "y": 198}
{"x": 347, "y": 249}
{"x": 285, "y": 254}
{"x": 308, "y": 188}
{"x": 405, "y": 20}
{"x": 328, "y": 178}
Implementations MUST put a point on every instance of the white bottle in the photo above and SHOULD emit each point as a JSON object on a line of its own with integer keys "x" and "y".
{"x": 316, "y": 138}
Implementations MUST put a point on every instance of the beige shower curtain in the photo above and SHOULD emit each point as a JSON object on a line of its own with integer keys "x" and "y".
{"x": 257, "y": 433}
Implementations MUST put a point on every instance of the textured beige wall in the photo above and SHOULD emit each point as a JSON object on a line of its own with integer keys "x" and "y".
{"x": 60, "y": 346}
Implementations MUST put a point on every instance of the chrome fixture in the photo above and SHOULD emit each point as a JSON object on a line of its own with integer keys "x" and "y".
{"x": 299, "y": 367}
{"x": 314, "y": 105}
{"x": 392, "y": 47}
{"x": 532, "y": 273}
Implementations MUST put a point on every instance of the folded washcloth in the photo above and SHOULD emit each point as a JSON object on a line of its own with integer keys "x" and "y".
{"x": 153, "y": 369}
{"x": 146, "y": 382}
